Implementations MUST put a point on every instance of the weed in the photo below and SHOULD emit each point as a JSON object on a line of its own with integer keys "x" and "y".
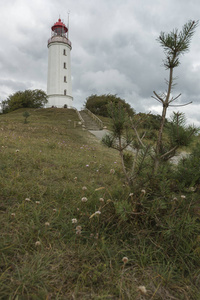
{"x": 67, "y": 220}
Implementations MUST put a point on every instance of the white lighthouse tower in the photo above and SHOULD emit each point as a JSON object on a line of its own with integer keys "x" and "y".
{"x": 59, "y": 87}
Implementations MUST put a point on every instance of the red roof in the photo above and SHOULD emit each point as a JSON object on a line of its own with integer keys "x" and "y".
{"x": 59, "y": 24}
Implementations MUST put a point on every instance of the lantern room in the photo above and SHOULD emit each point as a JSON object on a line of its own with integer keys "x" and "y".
{"x": 59, "y": 29}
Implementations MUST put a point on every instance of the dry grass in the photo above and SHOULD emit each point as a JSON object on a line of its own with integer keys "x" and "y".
{"x": 44, "y": 166}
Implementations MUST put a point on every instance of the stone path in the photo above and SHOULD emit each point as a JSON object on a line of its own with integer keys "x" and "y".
{"x": 89, "y": 122}
{"x": 99, "y": 133}
{"x": 176, "y": 158}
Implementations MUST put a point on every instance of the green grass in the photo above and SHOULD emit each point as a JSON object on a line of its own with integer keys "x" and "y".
{"x": 44, "y": 256}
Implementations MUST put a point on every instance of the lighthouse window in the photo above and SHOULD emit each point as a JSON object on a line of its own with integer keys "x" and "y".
{"x": 65, "y": 79}
{"x": 65, "y": 92}
{"x": 65, "y": 65}
{"x": 64, "y": 52}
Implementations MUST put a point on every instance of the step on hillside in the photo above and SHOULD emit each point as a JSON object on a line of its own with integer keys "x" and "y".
{"x": 90, "y": 123}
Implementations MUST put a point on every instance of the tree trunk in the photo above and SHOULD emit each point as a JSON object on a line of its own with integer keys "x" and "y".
{"x": 164, "y": 112}
{"x": 122, "y": 160}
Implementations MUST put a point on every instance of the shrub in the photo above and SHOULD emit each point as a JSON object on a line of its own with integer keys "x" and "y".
{"x": 26, "y": 99}
{"x": 98, "y": 104}
{"x": 188, "y": 171}
{"x": 26, "y": 115}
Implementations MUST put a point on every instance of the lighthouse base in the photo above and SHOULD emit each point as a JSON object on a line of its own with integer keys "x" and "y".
{"x": 59, "y": 101}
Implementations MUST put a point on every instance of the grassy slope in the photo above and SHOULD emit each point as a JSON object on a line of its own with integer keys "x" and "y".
{"x": 49, "y": 162}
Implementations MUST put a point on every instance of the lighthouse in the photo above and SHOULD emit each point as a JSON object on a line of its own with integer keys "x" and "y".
{"x": 59, "y": 87}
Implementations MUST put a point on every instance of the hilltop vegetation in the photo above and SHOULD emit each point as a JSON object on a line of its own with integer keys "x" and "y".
{"x": 71, "y": 227}
{"x": 98, "y": 104}
{"x": 26, "y": 99}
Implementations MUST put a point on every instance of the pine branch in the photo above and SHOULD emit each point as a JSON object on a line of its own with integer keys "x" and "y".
{"x": 185, "y": 36}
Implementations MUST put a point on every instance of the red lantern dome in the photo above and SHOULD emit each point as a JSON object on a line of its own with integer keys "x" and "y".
{"x": 59, "y": 28}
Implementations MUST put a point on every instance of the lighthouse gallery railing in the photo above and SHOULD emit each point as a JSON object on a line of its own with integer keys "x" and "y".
{"x": 60, "y": 39}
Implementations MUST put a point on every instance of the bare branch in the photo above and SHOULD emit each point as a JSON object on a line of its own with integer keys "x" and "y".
{"x": 168, "y": 152}
{"x": 158, "y": 97}
{"x": 143, "y": 135}
{"x": 181, "y": 104}
{"x": 173, "y": 99}
{"x": 139, "y": 139}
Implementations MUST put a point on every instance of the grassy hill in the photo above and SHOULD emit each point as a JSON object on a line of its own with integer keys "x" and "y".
{"x": 67, "y": 220}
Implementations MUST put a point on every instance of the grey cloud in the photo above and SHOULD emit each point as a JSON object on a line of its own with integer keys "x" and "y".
{"x": 114, "y": 48}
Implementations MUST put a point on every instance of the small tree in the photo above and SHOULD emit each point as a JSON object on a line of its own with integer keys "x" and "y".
{"x": 179, "y": 133}
{"x": 187, "y": 173}
{"x": 124, "y": 134}
{"x": 174, "y": 44}
{"x": 25, "y": 99}
{"x": 26, "y": 115}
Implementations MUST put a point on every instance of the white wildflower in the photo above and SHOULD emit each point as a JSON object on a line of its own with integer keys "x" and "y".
{"x": 78, "y": 227}
{"x": 78, "y": 230}
{"x": 37, "y": 243}
{"x": 125, "y": 259}
{"x": 142, "y": 289}
{"x": 84, "y": 199}
{"x": 74, "y": 221}
{"x": 47, "y": 224}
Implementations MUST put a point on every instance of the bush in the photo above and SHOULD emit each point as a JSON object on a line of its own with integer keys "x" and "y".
{"x": 26, "y": 99}
{"x": 26, "y": 115}
{"x": 188, "y": 171}
{"x": 98, "y": 104}
{"x": 179, "y": 133}
{"x": 150, "y": 121}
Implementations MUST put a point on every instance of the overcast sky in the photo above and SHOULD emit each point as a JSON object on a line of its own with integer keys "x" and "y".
{"x": 114, "y": 49}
